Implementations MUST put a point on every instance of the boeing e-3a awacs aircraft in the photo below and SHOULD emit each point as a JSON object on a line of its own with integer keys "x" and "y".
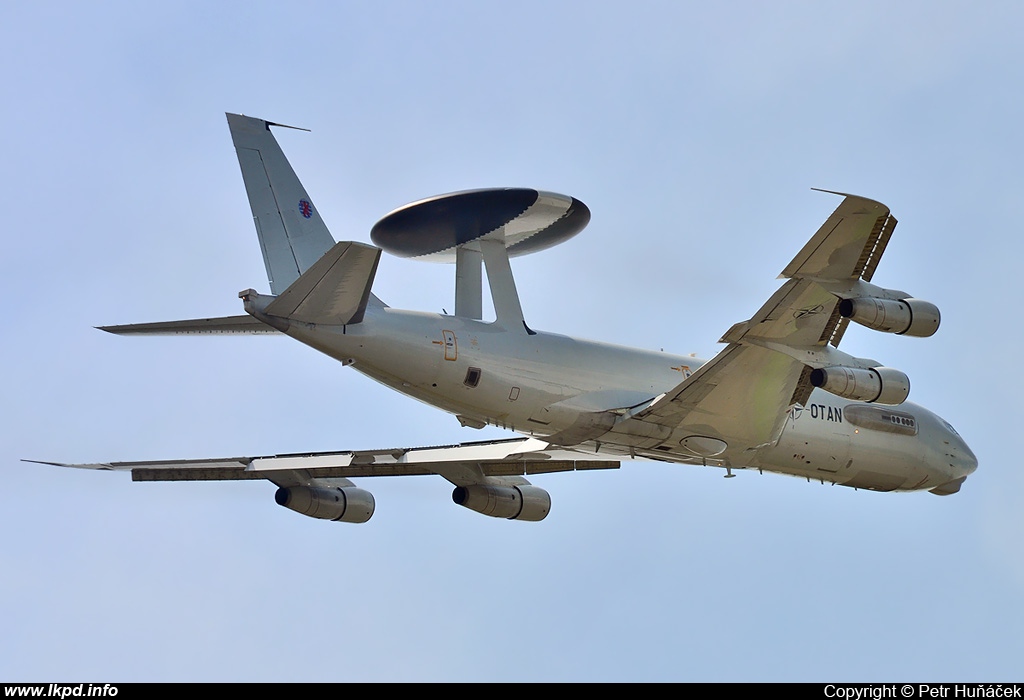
{"x": 780, "y": 397}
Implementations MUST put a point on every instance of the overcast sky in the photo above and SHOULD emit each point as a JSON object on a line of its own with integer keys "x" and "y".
{"x": 694, "y": 132}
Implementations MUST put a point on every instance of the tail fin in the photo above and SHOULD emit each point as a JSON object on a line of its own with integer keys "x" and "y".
{"x": 292, "y": 234}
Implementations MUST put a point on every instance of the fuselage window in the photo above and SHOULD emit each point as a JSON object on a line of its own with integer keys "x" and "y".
{"x": 472, "y": 376}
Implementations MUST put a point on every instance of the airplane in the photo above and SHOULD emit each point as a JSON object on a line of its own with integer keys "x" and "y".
{"x": 780, "y": 397}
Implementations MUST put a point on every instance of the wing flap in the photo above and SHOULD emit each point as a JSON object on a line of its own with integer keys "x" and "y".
{"x": 493, "y": 468}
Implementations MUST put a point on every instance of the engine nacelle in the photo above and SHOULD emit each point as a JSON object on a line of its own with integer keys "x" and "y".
{"x": 877, "y": 385}
{"x": 520, "y": 502}
{"x": 348, "y": 505}
{"x": 914, "y": 317}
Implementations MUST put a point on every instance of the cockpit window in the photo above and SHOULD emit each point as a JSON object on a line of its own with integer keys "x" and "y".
{"x": 951, "y": 428}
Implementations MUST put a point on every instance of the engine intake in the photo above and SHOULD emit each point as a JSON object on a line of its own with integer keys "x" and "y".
{"x": 914, "y": 317}
{"x": 877, "y": 385}
{"x": 516, "y": 502}
{"x": 348, "y": 505}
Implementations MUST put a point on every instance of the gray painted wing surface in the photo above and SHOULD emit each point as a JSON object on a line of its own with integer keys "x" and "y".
{"x": 742, "y": 394}
{"x": 461, "y": 464}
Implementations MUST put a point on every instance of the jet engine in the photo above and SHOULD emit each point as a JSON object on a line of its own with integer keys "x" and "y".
{"x": 348, "y": 505}
{"x": 515, "y": 502}
{"x": 876, "y": 385}
{"x": 914, "y": 317}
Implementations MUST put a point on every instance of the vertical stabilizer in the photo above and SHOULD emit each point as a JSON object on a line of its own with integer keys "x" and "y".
{"x": 292, "y": 234}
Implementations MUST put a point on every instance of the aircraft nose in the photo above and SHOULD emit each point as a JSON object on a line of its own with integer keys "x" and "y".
{"x": 960, "y": 454}
{"x": 952, "y": 457}
{"x": 968, "y": 462}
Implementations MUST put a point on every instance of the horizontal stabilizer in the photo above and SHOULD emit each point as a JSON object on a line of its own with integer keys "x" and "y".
{"x": 226, "y": 325}
{"x": 335, "y": 290}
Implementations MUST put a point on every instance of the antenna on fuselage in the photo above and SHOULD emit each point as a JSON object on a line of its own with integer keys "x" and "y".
{"x": 482, "y": 228}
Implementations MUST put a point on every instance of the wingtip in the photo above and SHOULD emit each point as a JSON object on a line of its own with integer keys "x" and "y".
{"x": 101, "y": 465}
{"x": 39, "y": 461}
{"x": 847, "y": 194}
{"x": 854, "y": 198}
{"x": 113, "y": 330}
{"x": 841, "y": 194}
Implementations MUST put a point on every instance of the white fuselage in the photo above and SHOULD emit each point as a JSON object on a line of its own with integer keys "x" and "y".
{"x": 544, "y": 384}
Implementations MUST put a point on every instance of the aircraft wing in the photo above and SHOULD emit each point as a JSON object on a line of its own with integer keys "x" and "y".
{"x": 462, "y": 465}
{"x": 742, "y": 395}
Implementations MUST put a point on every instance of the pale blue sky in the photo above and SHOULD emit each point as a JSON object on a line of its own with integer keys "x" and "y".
{"x": 694, "y": 133}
